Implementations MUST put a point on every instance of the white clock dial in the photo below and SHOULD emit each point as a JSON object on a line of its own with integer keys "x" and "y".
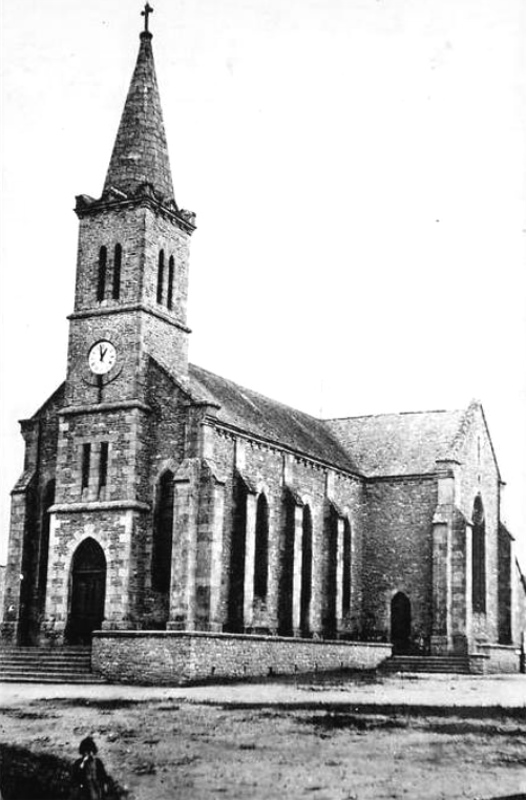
{"x": 102, "y": 357}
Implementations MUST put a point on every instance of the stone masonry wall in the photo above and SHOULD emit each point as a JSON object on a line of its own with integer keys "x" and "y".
{"x": 397, "y": 554}
{"x": 171, "y": 658}
{"x": 121, "y": 428}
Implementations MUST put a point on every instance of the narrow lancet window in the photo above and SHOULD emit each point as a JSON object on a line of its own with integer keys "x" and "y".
{"x": 160, "y": 277}
{"x": 103, "y": 465}
{"x": 169, "y": 296}
{"x": 163, "y": 533}
{"x": 101, "y": 283}
{"x": 86, "y": 461}
{"x": 261, "y": 550}
{"x": 117, "y": 261}
{"x": 478, "y": 555}
{"x": 306, "y": 571}
{"x": 346, "y": 582}
{"x": 236, "y": 594}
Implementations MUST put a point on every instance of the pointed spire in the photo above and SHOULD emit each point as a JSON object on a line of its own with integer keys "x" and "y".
{"x": 140, "y": 152}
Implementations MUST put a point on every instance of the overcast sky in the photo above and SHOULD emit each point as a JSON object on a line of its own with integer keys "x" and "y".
{"x": 358, "y": 170}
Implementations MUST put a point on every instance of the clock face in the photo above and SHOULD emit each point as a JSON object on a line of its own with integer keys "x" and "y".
{"x": 102, "y": 357}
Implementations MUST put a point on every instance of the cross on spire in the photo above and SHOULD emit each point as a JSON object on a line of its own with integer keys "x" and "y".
{"x": 146, "y": 13}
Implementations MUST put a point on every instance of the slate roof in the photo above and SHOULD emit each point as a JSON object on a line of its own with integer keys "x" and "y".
{"x": 140, "y": 152}
{"x": 398, "y": 444}
{"x": 253, "y": 413}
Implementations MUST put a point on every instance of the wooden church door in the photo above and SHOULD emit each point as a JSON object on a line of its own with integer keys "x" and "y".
{"x": 87, "y": 593}
{"x": 400, "y": 623}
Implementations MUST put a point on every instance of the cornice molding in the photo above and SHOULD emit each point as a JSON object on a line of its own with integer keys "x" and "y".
{"x": 88, "y": 207}
{"x": 100, "y": 408}
{"x": 126, "y": 309}
{"x": 96, "y": 506}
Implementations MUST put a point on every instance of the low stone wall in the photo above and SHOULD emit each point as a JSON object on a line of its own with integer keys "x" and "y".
{"x": 173, "y": 657}
{"x": 499, "y": 658}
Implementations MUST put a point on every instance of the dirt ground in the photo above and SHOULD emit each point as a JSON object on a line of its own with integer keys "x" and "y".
{"x": 179, "y": 747}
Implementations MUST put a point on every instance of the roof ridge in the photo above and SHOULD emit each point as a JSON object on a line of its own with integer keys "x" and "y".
{"x": 396, "y": 414}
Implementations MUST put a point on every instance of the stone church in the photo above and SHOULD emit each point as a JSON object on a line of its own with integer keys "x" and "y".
{"x": 157, "y": 496}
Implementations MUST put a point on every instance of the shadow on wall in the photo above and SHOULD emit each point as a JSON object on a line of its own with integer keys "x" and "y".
{"x": 25, "y": 775}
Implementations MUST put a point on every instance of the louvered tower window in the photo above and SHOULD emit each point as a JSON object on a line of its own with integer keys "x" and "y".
{"x": 117, "y": 263}
{"x": 160, "y": 277}
{"x": 169, "y": 296}
{"x": 101, "y": 282}
{"x": 86, "y": 462}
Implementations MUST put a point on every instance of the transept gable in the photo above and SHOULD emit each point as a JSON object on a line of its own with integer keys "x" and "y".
{"x": 391, "y": 445}
{"x": 473, "y": 419}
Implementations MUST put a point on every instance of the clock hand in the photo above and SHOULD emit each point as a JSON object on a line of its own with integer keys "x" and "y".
{"x": 103, "y": 351}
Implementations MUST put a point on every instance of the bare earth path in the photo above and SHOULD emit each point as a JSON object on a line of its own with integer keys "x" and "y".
{"x": 454, "y": 737}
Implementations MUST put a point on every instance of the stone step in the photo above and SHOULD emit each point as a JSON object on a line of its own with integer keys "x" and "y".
{"x": 58, "y": 668}
{"x": 16, "y": 648}
{"x": 47, "y": 665}
{"x": 435, "y": 664}
{"x": 49, "y": 677}
{"x": 80, "y": 658}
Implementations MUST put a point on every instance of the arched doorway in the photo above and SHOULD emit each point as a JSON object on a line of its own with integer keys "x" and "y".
{"x": 400, "y": 623}
{"x": 87, "y": 592}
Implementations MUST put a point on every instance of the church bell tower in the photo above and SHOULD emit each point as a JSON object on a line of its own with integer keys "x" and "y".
{"x": 132, "y": 269}
{"x": 129, "y": 314}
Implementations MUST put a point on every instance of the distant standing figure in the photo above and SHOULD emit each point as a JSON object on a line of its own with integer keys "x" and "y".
{"x": 89, "y": 780}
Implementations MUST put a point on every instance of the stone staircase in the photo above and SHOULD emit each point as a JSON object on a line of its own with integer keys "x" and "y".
{"x": 47, "y": 665}
{"x": 452, "y": 664}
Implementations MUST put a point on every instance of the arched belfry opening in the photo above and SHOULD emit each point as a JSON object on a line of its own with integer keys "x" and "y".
{"x": 400, "y": 623}
{"x": 101, "y": 277}
{"x": 87, "y": 592}
{"x": 478, "y": 557}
